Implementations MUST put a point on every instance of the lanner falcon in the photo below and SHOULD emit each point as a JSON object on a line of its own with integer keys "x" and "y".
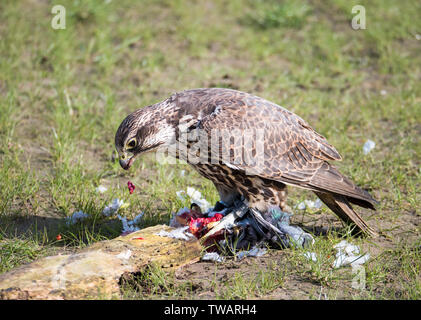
{"x": 283, "y": 149}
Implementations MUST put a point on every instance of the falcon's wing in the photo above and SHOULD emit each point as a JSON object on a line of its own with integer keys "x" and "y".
{"x": 294, "y": 153}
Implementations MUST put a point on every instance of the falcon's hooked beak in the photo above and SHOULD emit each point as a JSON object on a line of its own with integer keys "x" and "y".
{"x": 126, "y": 160}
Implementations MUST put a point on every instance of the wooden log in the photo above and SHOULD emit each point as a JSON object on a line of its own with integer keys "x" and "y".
{"x": 95, "y": 271}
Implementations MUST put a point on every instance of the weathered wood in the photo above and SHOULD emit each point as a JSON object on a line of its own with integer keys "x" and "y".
{"x": 95, "y": 271}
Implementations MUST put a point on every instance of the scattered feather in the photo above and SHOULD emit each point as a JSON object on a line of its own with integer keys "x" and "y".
{"x": 368, "y": 146}
{"x": 254, "y": 252}
{"x": 179, "y": 233}
{"x": 309, "y": 204}
{"x": 348, "y": 254}
{"x": 213, "y": 256}
{"x": 129, "y": 226}
{"x": 195, "y": 197}
{"x": 76, "y": 217}
{"x": 101, "y": 189}
{"x": 310, "y": 256}
{"x": 113, "y": 207}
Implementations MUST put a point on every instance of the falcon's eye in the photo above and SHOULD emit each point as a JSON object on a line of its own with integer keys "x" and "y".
{"x": 131, "y": 144}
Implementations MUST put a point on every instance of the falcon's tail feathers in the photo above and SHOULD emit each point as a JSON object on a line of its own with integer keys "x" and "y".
{"x": 343, "y": 209}
{"x": 328, "y": 178}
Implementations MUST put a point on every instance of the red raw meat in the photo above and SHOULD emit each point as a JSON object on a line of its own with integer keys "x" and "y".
{"x": 198, "y": 227}
{"x": 131, "y": 186}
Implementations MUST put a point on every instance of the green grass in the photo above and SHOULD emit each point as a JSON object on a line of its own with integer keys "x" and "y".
{"x": 246, "y": 286}
{"x": 21, "y": 249}
{"x": 155, "y": 283}
{"x": 63, "y": 94}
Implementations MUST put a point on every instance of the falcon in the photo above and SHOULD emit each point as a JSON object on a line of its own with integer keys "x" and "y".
{"x": 250, "y": 148}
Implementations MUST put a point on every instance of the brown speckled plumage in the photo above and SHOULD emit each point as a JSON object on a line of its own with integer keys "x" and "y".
{"x": 294, "y": 154}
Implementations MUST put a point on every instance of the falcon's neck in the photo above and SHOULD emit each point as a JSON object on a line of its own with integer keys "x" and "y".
{"x": 159, "y": 125}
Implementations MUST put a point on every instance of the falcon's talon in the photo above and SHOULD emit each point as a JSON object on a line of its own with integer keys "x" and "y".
{"x": 287, "y": 234}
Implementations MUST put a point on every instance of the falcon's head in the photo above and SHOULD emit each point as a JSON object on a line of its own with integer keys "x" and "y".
{"x": 141, "y": 131}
